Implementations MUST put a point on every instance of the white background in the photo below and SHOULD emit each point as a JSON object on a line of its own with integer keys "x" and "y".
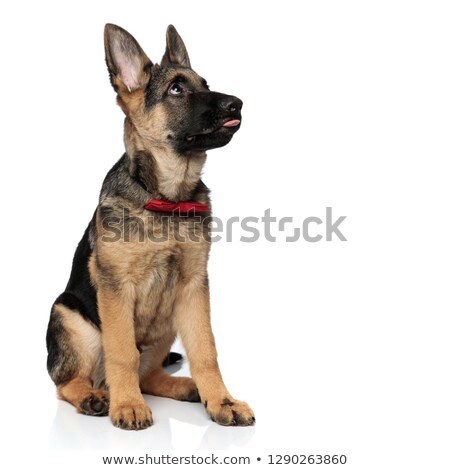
{"x": 339, "y": 347}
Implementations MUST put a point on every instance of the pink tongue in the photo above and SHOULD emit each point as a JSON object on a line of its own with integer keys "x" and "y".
{"x": 232, "y": 123}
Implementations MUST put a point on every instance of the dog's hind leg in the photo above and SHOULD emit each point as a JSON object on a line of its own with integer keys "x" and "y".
{"x": 155, "y": 381}
{"x": 161, "y": 384}
{"x": 86, "y": 399}
{"x": 75, "y": 360}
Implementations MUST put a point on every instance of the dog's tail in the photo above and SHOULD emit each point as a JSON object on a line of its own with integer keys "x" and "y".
{"x": 172, "y": 358}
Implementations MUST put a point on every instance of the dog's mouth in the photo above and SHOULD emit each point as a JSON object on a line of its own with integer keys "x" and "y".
{"x": 226, "y": 125}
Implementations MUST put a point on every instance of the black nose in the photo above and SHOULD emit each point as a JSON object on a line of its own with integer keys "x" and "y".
{"x": 230, "y": 104}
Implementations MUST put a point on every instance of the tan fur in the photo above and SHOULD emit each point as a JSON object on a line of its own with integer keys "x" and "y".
{"x": 122, "y": 358}
{"x": 160, "y": 384}
{"x": 76, "y": 390}
{"x": 177, "y": 177}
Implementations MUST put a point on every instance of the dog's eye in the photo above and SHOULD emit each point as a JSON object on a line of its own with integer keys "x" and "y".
{"x": 175, "y": 89}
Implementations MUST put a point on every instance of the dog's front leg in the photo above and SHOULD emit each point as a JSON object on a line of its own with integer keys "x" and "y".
{"x": 127, "y": 409}
{"x": 192, "y": 317}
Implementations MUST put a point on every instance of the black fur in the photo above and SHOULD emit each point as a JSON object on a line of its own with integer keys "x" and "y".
{"x": 80, "y": 295}
{"x": 172, "y": 358}
{"x": 61, "y": 364}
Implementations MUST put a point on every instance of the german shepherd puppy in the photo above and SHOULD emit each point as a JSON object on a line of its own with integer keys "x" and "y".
{"x": 139, "y": 275}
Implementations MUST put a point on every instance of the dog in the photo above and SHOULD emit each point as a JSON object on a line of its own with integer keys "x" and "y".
{"x": 139, "y": 275}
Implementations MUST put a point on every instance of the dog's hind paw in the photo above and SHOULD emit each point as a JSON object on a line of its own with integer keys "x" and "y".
{"x": 95, "y": 404}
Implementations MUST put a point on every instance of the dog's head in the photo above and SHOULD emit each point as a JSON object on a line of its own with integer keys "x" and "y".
{"x": 168, "y": 104}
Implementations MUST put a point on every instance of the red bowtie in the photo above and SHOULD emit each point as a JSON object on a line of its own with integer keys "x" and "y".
{"x": 159, "y": 205}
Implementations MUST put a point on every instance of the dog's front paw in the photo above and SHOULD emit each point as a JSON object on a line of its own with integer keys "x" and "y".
{"x": 230, "y": 412}
{"x": 130, "y": 416}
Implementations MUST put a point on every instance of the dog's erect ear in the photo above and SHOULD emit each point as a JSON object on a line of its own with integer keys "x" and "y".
{"x": 125, "y": 59}
{"x": 176, "y": 52}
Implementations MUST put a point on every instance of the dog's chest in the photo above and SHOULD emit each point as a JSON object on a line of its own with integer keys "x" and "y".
{"x": 156, "y": 293}
{"x": 151, "y": 258}
{"x": 161, "y": 271}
